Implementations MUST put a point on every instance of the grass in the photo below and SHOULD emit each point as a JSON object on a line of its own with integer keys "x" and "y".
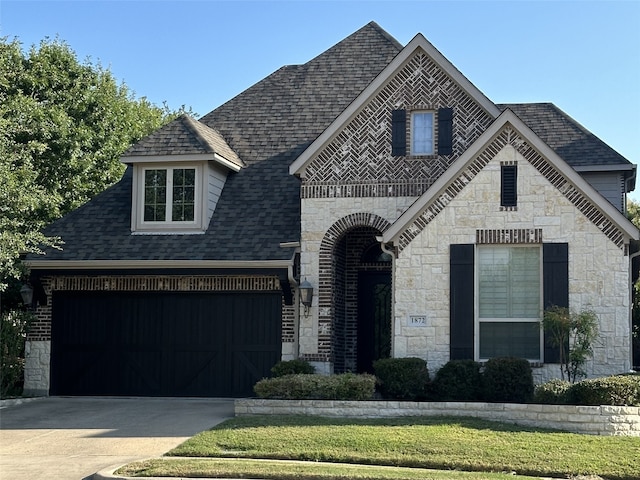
{"x": 443, "y": 443}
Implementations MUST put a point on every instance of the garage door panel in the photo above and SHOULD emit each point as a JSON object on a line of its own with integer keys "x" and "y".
{"x": 163, "y": 343}
{"x": 249, "y": 367}
{"x": 197, "y": 372}
{"x": 137, "y": 373}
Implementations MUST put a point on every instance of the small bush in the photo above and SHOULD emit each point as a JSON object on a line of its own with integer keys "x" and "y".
{"x": 508, "y": 379}
{"x": 458, "y": 380}
{"x": 617, "y": 390}
{"x": 346, "y": 386}
{"x": 14, "y": 326}
{"x": 554, "y": 392}
{"x": 292, "y": 367}
{"x": 402, "y": 378}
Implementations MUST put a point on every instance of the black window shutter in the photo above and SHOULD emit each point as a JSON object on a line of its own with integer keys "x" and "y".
{"x": 461, "y": 298}
{"x": 509, "y": 185}
{"x": 555, "y": 277}
{"x": 398, "y": 132}
{"x": 445, "y": 131}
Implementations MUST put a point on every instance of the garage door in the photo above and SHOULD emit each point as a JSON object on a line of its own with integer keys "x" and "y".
{"x": 163, "y": 344}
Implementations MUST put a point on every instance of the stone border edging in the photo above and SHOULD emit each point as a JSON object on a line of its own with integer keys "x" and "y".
{"x": 9, "y": 402}
{"x": 593, "y": 420}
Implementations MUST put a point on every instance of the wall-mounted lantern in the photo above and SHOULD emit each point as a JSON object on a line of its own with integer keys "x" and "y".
{"x": 306, "y": 295}
{"x": 26, "y": 292}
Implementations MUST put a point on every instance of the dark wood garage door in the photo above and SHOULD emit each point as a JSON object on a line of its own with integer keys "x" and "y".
{"x": 163, "y": 344}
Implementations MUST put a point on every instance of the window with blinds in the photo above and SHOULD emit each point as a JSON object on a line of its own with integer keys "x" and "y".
{"x": 509, "y": 301}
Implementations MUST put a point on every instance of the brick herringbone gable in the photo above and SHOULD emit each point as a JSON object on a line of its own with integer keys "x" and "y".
{"x": 358, "y": 162}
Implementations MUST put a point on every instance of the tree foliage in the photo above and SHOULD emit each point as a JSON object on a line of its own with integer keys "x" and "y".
{"x": 13, "y": 332}
{"x": 578, "y": 330}
{"x": 63, "y": 126}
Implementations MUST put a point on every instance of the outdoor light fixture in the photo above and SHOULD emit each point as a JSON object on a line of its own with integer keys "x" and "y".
{"x": 306, "y": 295}
{"x": 27, "y": 294}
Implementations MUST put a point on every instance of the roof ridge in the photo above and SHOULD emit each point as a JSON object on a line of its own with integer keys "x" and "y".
{"x": 384, "y": 33}
{"x": 361, "y": 31}
{"x": 194, "y": 126}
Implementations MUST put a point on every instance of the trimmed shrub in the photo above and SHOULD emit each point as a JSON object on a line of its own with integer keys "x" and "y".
{"x": 616, "y": 390}
{"x": 508, "y": 379}
{"x": 14, "y": 326}
{"x": 292, "y": 367}
{"x": 402, "y": 378}
{"x": 346, "y": 386}
{"x": 554, "y": 392}
{"x": 458, "y": 380}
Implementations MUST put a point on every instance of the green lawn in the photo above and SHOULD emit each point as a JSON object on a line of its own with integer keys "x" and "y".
{"x": 448, "y": 444}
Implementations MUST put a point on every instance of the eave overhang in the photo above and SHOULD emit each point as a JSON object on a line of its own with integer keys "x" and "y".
{"x": 197, "y": 157}
{"x": 38, "y": 264}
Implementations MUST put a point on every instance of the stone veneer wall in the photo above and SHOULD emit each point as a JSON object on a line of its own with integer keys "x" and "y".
{"x": 38, "y": 344}
{"x": 598, "y": 264}
{"x": 593, "y": 420}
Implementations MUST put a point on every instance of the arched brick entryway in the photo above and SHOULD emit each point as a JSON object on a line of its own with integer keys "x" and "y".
{"x": 347, "y": 257}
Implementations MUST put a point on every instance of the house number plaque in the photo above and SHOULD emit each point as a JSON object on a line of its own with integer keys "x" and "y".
{"x": 417, "y": 320}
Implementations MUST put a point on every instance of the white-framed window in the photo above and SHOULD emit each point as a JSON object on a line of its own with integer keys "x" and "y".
{"x": 168, "y": 198}
{"x": 422, "y": 133}
{"x": 509, "y": 302}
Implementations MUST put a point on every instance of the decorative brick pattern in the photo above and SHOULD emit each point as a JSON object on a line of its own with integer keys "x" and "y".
{"x": 288, "y": 323}
{"x": 332, "y": 268}
{"x": 166, "y": 283}
{"x": 508, "y": 136}
{"x": 513, "y": 235}
{"x": 358, "y": 162}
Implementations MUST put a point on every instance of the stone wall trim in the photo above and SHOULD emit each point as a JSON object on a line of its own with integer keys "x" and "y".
{"x": 593, "y": 420}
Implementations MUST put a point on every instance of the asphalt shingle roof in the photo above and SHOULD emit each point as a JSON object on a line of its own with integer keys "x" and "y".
{"x": 575, "y": 144}
{"x": 265, "y": 128}
{"x": 182, "y": 136}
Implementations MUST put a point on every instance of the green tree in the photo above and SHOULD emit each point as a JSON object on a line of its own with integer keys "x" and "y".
{"x": 63, "y": 126}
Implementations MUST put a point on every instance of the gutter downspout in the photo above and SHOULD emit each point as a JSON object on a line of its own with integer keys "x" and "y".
{"x": 631, "y": 258}
{"x": 296, "y": 298}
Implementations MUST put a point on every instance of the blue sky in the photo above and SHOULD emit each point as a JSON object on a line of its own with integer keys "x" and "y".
{"x": 584, "y": 56}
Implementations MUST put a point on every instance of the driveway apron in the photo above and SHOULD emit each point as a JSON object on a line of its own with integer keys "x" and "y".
{"x": 74, "y": 437}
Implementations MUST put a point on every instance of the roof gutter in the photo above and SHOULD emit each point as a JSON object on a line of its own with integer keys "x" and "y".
{"x": 38, "y": 264}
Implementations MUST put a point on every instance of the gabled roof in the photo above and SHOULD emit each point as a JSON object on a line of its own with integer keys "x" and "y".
{"x": 267, "y": 125}
{"x": 183, "y": 138}
{"x": 507, "y": 118}
{"x": 417, "y": 43}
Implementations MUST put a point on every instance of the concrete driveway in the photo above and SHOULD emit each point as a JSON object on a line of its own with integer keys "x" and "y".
{"x": 73, "y": 438}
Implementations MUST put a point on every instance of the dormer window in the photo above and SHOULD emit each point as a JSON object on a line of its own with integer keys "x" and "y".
{"x": 169, "y": 193}
{"x": 169, "y": 198}
{"x": 179, "y": 172}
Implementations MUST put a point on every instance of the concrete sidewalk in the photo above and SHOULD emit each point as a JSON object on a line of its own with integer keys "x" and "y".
{"x": 73, "y": 438}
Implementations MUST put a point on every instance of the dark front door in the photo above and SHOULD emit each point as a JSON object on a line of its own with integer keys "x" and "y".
{"x": 163, "y": 343}
{"x": 374, "y": 318}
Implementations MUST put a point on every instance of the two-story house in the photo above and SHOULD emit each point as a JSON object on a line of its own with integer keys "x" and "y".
{"x": 429, "y": 222}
